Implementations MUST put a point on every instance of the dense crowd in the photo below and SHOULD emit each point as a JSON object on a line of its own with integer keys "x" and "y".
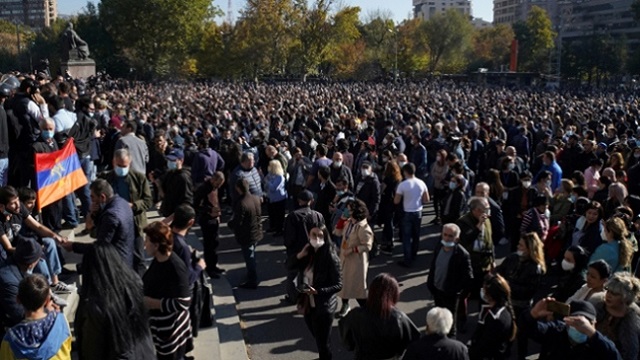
{"x": 552, "y": 177}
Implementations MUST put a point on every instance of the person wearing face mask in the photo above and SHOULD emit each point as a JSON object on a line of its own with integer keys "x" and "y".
{"x": 340, "y": 170}
{"x": 83, "y": 133}
{"x": 536, "y": 219}
{"x": 454, "y": 204}
{"x": 572, "y": 268}
{"x": 114, "y": 223}
{"x": 523, "y": 271}
{"x": 572, "y": 337}
{"x": 133, "y": 187}
{"x": 176, "y": 187}
{"x": 616, "y": 250}
{"x": 138, "y": 151}
{"x": 450, "y": 272}
{"x": 319, "y": 280}
{"x": 496, "y": 328}
{"x": 45, "y": 144}
{"x": 368, "y": 189}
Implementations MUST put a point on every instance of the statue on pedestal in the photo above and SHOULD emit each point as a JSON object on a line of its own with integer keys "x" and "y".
{"x": 73, "y": 47}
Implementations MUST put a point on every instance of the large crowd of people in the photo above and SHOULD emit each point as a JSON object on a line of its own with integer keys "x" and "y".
{"x": 552, "y": 177}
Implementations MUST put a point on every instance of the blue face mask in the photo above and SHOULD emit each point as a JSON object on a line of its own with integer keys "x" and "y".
{"x": 172, "y": 165}
{"x": 121, "y": 171}
{"x": 576, "y": 336}
{"x": 448, "y": 244}
{"x": 47, "y": 134}
{"x": 572, "y": 198}
{"x": 340, "y": 192}
{"x": 453, "y": 185}
{"x": 346, "y": 213}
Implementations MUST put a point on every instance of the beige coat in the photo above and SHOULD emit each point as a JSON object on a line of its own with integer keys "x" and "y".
{"x": 355, "y": 264}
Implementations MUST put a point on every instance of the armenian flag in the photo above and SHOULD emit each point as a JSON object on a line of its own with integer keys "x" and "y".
{"x": 58, "y": 174}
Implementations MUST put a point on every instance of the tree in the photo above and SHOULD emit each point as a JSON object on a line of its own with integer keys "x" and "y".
{"x": 536, "y": 38}
{"x": 345, "y": 50}
{"x": 158, "y": 36}
{"x": 448, "y": 36}
{"x": 413, "y": 53}
{"x": 491, "y": 46}
{"x": 313, "y": 36}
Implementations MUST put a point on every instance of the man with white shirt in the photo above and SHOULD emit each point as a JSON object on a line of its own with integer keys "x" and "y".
{"x": 412, "y": 193}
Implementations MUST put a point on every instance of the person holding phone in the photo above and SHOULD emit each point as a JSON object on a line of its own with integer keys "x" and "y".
{"x": 319, "y": 281}
{"x": 572, "y": 337}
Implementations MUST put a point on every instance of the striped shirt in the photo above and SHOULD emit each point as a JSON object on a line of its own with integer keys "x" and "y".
{"x": 171, "y": 325}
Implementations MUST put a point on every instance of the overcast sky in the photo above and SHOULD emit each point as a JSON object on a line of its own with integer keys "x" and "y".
{"x": 401, "y": 9}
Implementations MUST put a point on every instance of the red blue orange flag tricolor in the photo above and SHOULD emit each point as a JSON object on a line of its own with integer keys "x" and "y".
{"x": 58, "y": 174}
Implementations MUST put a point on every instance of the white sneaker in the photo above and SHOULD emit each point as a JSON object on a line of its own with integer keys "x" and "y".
{"x": 62, "y": 288}
{"x": 58, "y": 300}
{"x": 504, "y": 241}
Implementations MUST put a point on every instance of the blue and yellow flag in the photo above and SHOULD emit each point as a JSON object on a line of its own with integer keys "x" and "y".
{"x": 58, "y": 174}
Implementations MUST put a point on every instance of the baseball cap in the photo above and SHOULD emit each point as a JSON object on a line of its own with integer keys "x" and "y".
{"x": 583, "y": 308}
{"x": 175, "y": 154}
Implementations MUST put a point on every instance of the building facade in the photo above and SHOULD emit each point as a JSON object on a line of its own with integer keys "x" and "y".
{"x": 511, "y": 11}
{"x": 36, "y": 14}
{"x": 600, "y": 17}
{"x": 426, "y": 9}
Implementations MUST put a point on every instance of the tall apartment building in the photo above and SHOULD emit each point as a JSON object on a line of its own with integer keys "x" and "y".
{"x": 511, "y": 11}
{"x": 36, "y": 14}
{"x": 601, "y": 17}
{"x": 426, "y": 9}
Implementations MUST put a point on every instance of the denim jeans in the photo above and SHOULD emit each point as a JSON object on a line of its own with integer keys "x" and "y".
{"x": 51, "y": 256}
{"x": 4, "y": 171}
{"x": 410, "y": 235}
{"x": 69, "y": 213}
{"x": 43, "y": 269}
{"x": 84, "y": 193}
{"x": 249, "y": 254}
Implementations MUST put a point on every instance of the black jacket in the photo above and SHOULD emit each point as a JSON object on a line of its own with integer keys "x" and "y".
{"x": 4, "y": 134}
{"x": 368, "y": 190}
{"x": 325, "y": 197}
{"x": 459, "y": 275}
{"x": 492, "y": 337}
{"x": 327, "y": 275}
{"x": 246, "y": 223}
{"x": 456, "y": 207}
{"x": 297, "y": 226}
{"x": 436, "y": 347}
{"x": 372, "y": 337}
{"x": 523, "y": 277}
{"x": 177, "y": 189}
{"x": 82, "y": 133}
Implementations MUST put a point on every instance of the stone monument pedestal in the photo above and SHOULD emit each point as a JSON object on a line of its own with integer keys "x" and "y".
{"x": 79, "y": 69}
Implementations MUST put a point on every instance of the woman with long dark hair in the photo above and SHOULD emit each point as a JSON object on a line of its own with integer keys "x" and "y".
{"x": 111, "y": 321}
{"x": 320, "y": 280}
{"x": 379, "y": 330}
{"x": 496, "y": 328}
{"x": 587, "y": 229}
{"x": 166, "y": 294}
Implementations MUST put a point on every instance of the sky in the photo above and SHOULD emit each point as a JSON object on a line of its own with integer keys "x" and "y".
{"x": 401, "y": 9}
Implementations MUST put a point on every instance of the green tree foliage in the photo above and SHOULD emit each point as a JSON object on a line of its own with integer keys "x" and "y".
{"x": 536, "y": 39}
{"x": 595, "y": 58}
{"x": 492, "y": 46}
{"x": 413, "y": 51}
{"x": 157, "y": 36}
{"x": 345, "y": 50}
{"x": 448, "y": 37}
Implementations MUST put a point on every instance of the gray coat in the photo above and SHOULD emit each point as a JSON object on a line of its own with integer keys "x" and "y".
{"x": 627, "y": 330}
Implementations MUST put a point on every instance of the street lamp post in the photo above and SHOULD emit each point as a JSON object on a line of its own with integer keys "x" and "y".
{"x": 395, "y": 65}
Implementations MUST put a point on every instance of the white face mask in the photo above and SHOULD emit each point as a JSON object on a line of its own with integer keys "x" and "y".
{"x": 402, "y": 164}
{"x": 526, "y": 184}
{"x": 366, "y": 172}
{"x": 337, "y": 164}
{"x": 567, "y": 266}
{"x": 520, "y": 253}
{"x": 316, "y": 243}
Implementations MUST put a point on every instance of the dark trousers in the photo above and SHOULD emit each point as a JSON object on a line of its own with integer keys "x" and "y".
{"x": 51, "y": 216}
{"x": 210, "y": 241}
{"x": 249, "y": 254}
{"x": 276, "y": 215}
{"x": 450, "y": 302}
{"x": 178, "y": 355}
{"x": 387, "y": 230}
{"x": 438, "y": 196}
{"x": 410, "y": 235}
{"x": 320, "y": 322}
